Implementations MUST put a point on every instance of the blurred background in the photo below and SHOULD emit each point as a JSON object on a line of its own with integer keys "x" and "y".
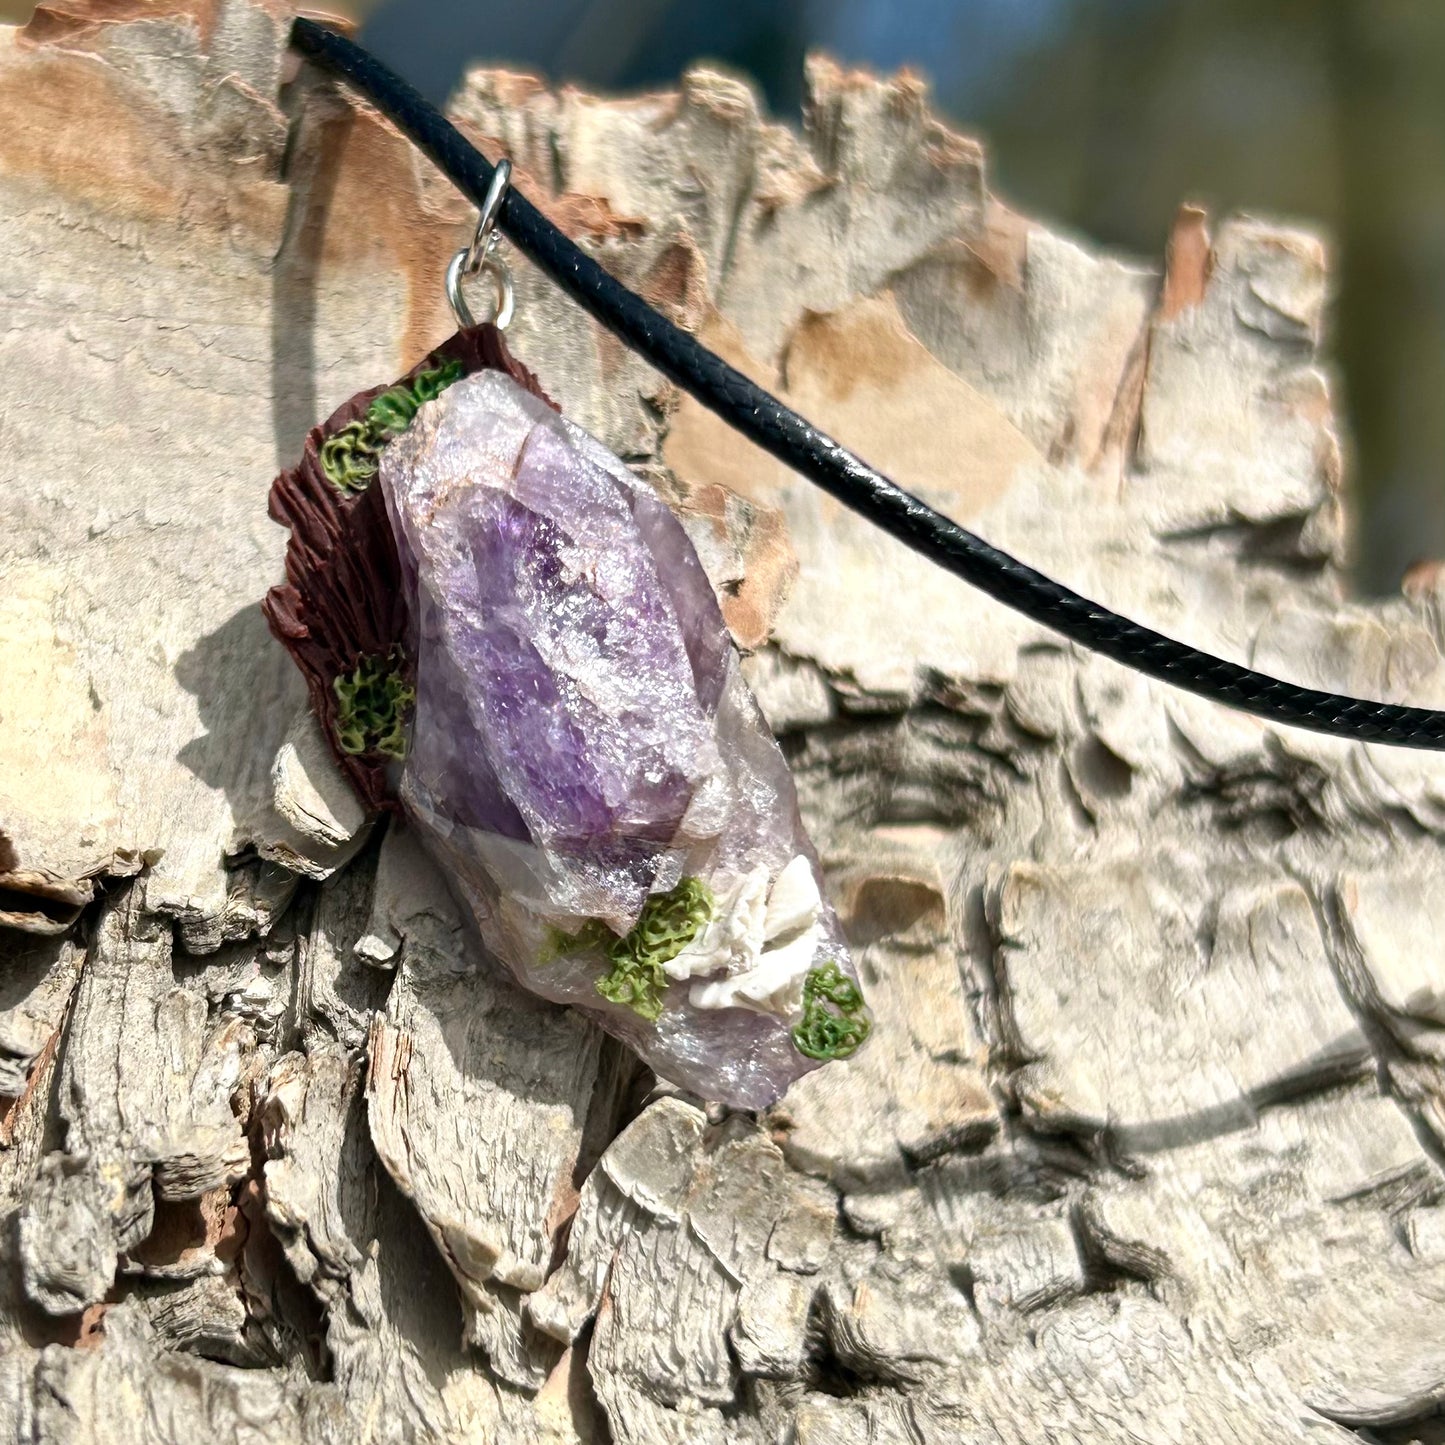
{"x": 1101, "y": 116}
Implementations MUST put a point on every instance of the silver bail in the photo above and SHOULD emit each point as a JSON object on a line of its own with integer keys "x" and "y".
{"x": 482, "y": 255}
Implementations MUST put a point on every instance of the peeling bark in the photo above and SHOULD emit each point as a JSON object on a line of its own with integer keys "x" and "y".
{"x": 1148, "y": 1139}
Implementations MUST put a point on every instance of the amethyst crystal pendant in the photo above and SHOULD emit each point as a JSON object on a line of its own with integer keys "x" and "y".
{"x": 581, "y": 753}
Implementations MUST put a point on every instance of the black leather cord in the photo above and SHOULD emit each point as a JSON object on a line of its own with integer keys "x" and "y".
{"x": 761, "y": 417}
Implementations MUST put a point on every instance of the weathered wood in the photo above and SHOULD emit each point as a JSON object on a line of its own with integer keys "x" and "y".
{"x": 1148, "y": 1141}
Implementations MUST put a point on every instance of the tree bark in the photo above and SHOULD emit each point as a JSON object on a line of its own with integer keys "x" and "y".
{"x": 1147, "y": 1141}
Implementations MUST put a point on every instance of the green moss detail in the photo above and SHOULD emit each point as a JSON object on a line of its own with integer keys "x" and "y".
{"x": 375, "y": 701}
{"x": 635, "y": 977}
{"x": 592, "y": 934}
{"x": 351, "y": 457}
{"x": 835, "y": 1019}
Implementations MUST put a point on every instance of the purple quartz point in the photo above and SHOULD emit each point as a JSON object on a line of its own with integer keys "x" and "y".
{"x": 584, "y": 747}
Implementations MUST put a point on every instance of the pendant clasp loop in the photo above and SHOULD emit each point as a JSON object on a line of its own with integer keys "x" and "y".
{"x": 482, "y": 255}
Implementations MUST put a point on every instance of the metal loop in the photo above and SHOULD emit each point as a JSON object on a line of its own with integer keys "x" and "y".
{"x": 501, "y": 275}
{"x": 484, "y": 242}
{"x": 481, "y": 255}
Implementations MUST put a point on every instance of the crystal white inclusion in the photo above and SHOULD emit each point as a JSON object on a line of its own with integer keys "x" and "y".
{"x": 759, "y": 945}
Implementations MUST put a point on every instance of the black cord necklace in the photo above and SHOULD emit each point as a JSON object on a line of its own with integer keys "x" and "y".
{"x": 761, "y": 417}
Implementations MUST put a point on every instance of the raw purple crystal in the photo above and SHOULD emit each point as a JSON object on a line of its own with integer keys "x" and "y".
{"x": 587, "y": 762}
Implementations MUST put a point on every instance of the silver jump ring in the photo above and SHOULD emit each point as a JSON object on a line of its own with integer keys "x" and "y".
{"x": 481, "y": 255}
{"x": 501, "y": 275}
